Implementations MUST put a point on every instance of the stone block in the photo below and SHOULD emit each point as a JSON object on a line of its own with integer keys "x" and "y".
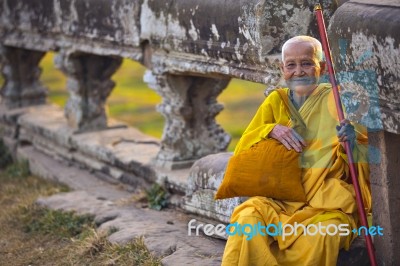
{"x": 204, "y": 179}
{"x": 356, "y": 255}
{"x": 385, "y": 184}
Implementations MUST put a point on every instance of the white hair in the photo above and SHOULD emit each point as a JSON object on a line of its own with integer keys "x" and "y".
{"x": 302, "y": 38}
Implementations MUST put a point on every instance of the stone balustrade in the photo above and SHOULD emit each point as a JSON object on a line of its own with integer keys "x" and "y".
{"x": 191, "y": 50}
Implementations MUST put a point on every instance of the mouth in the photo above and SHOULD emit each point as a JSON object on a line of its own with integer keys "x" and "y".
{"x": 302, "y": 81}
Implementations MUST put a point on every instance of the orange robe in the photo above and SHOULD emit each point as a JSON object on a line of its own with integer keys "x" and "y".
{"x": 330, "y": 197}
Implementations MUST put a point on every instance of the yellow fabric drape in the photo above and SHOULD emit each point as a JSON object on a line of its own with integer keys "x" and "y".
{"x": 330, "y": 197}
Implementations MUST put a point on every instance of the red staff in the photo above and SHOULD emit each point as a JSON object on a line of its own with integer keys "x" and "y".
{"x": 354, "y": 177}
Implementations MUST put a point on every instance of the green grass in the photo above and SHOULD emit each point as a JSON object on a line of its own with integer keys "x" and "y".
{"x": 5, "y": 156}
{"x": 157, "y": 197}
{"x": 241, "y": 100}
{"x": 133, "y": 102}
{"x": 95, "y": 249}
{"x": 40, "y": 220}
{"x": 17, "y": 170}
{"x": 35, "y": 235}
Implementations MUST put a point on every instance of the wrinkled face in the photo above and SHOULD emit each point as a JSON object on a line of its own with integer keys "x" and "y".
{"x": 301, "y": 69}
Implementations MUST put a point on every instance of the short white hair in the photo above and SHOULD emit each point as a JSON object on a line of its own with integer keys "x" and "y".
{"x": 302, "y": 38}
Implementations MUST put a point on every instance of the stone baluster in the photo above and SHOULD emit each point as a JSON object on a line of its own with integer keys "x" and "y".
{"x": 89, "y": 84}
{"x": 189, "y": 107}
{"x": 21, "y": 71}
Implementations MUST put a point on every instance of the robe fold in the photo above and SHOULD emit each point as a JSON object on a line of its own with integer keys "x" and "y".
{"x": 325, "y": 178}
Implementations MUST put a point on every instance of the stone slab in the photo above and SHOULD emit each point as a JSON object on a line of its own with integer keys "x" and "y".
{"x": 70, "y": 175}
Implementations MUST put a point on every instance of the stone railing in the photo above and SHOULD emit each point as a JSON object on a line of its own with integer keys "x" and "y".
{"x": 191, "y": 50}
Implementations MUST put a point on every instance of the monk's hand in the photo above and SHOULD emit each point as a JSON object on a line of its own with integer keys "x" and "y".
{"x": 346, "y": 132}
{"x": 288, "y": 137}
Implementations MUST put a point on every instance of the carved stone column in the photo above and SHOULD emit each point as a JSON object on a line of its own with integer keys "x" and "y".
{"x": 189, "y": 107}
{"x": 89, "y": 84}
{"x": 21, "y": 71}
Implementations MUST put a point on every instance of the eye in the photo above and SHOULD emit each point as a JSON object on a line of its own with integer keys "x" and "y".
{"x": 290, "y": 65}
{"x": 307, "y": 64}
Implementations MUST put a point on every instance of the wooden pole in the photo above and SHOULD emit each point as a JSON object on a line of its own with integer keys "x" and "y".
{"x": 354, "y": 177}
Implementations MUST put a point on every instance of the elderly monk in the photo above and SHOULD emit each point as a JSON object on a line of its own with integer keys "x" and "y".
{"x": 318, "y": 136}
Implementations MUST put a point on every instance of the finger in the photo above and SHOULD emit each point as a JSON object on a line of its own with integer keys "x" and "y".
{"x": 348, "y": 131}
{"x": 297, "y": 144}
{"x": 284, "y": 142}
{"x": 294, "y": 144}
{"x": 345, "y": 121}
{"x": 299, "y": 138}
{"x": 342, "y": 131}
{"x": 348, "y": 126}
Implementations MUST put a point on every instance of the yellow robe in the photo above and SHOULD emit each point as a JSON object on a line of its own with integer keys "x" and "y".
{"x": 330, "y": 197}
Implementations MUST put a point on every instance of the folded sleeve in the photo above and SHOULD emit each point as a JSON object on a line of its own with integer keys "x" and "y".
{"x": 270, "y": 113}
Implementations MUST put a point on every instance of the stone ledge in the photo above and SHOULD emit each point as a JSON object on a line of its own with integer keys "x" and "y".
{"x": 122, "y": 152}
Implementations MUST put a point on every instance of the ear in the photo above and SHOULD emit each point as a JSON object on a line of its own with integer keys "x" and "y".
{"x": 281, "y": 67}
{"x": 322, "y": 66}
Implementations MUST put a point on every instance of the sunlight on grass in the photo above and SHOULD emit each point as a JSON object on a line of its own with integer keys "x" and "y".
{"x": 241, "y": 100}
{"x": 54, "y": 80}
{"x": 133, "y": 102}
{"x": 96, "y": 249}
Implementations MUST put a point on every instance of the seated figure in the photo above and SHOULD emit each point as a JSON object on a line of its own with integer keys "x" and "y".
{"x": 330, "y": 198}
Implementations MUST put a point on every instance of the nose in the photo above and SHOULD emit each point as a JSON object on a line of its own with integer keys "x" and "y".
{"x": 298, "y": 71}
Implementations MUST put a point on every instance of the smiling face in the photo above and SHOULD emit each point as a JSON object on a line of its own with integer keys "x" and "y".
{"x": 301, "y": 68}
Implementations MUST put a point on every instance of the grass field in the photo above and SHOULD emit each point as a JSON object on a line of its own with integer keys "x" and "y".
{"x": 133, "y": 102}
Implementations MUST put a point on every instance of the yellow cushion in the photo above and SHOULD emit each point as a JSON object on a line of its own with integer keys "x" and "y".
{"x": 266, "y": 169}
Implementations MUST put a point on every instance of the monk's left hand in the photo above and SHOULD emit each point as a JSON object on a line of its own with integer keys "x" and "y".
{"x": 346, "y": 132}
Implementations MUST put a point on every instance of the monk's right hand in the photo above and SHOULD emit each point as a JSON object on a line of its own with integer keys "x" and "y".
{"x": 288, "y": 137}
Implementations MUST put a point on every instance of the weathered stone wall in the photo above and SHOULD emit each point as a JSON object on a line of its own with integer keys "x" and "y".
{"x": 365, "y": 38}
{"x": 234, "y": 38}
{"x": 227, "y": 38}
{"x": 89, "y": 25}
